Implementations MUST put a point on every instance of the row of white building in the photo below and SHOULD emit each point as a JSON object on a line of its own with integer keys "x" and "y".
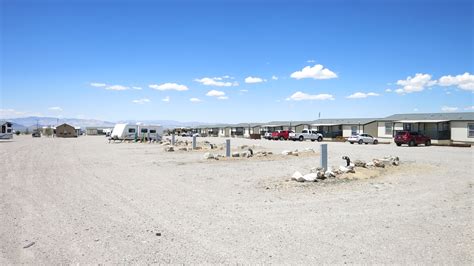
{"x": 443, "y": 128}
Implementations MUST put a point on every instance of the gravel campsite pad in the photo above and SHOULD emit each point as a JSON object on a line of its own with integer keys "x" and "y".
{"x": 83, "y": 200}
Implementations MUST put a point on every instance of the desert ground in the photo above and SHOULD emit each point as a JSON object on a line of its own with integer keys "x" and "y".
{"x": 83, "y": 200}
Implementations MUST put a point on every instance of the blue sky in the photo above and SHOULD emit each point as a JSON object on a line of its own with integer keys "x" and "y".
{"x": 83, "y": 58}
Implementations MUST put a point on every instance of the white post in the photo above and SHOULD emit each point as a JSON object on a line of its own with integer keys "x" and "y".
{"x": 173, "y": 140}
{"x": 324, "y": 156}
{"x": 227, "y": 144}
{"x": 194, "y": 142}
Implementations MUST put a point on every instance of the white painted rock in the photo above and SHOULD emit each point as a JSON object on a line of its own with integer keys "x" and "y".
{"x": 310, "y": 177}
{"x": 297, "y": 176}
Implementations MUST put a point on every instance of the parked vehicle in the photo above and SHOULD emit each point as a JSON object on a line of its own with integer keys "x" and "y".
{"x": 196, "y": 135}
{"x": 362, "y": 138}
{"x": 6, "y": 131}
{"x": 268, "y": 135}
{"x": 130, "y": 132}
{"x": 36, "y": 134}
{"x": 305, "y": 134}
{"x": 281, "y": 134}
{"x": 411, "y": 138}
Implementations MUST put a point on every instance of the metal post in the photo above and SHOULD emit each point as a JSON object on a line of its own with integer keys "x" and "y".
{"x": 173, "y": 140}
{"x": 194, "y": 142}
{"x": 324, "y": 156}
{"x": 227, "y": 149}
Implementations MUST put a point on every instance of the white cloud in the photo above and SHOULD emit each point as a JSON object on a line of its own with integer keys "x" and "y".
{"x": 415, "y": 109}
{"x": 315, "y": 72}
{"x": 166, "y": 99}
{"x": 400, "y": 91}
{"x": 274, "y": 77}
{"x": 141, "y": 101}
{"x": 469, "y": 108}
{"x": 415, "y": 84}
{"x": 195, "y": 100}
{"x": 449, "y": 109}
{"x": 55, "y": 108}
{"x": 311, "y": 61}
{"x": 388, "y": 90}
{"x": 116, "y": 88}
{"x": 217, "y": 81}
{"x": 254, "y": 80}
{"x": 98, "y": 85}
{"x": 137, "y": 88}
{"x": 168, "y": 86}
{"x": 300, "y": 96}
{"x": 11, "y": 113}
{"x": 464, "y": 81}
{"x": 244, "y": 90}
{"x": 222, "y": 97}
{"x": 359, "y": 95}
{"x": 214, "y": 93}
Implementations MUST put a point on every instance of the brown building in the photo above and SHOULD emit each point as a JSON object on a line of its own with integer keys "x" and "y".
{"x": 66, "y": 131}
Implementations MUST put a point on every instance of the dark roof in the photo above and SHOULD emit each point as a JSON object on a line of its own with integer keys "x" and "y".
{"x": 345, "y": 121}
{"x": 461, "y": 116}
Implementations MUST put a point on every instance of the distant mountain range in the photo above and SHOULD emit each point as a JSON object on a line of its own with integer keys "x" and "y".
{"x": 21, "y": 124}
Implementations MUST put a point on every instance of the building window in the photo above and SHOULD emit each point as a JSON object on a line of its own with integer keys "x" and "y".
{"x": 354, "y": 130}
{"x": 152, "y": 131}
{"x": 131, "y": 130}
{"x": 407, "y": 127}
{"x": 144, "y": 130}
{"x": 388, "y": 128}
{"x": 470, "y": 130}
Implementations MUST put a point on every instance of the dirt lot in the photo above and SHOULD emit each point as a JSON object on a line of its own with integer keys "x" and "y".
{"x": 86, "y": 201}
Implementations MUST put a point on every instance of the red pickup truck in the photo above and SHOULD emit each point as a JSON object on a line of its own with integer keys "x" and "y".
{"x": 411, "y": 138}
{"x": 281, "y": 134}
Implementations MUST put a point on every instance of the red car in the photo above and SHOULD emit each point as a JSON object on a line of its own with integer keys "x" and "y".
{"x": 281, "y": 134}
{"x": 411, "y": 138}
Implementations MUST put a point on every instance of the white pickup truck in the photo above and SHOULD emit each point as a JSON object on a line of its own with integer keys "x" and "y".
{"x": 306, "y": 134}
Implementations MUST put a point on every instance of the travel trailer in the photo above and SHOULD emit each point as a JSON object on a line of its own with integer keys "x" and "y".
{"x": 6, "y": 131}
{"x": 132, "y": 132}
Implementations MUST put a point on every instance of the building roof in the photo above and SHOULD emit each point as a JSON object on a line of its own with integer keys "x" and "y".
{"x": 343, "y": 121}
{"x": 461, "y": 116}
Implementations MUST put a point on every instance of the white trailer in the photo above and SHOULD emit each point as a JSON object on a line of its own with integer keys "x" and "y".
{"x": 132, "y": 132}
{"x": 6, "y": 131}
{"x": 124, "y": 132}
{"x": 150, "y": 132}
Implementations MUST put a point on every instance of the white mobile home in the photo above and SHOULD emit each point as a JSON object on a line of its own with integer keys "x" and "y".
{"x": 6, "y": 131}
{"x": 442, "y": 128}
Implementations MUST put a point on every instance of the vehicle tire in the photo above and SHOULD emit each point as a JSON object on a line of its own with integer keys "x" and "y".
{"x": 351, "y": 142}
{"x": 360, "y": 141}
{"x": 376, "y": 142}
{"x": 312, "y": 140}
{"x": 428, "y": 143}
{"x": 320, "y": 139}
{"x": 366, "y": 143}
{"x": 281, "y": 138}
{"x": 293, "y": 139}
{"x": 301, "y": 138}
{"x": 398, "y": 144}
{"x": 411, "y": 143}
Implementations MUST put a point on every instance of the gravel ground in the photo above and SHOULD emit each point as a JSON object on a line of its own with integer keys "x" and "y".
{"x": 86, "y": 201}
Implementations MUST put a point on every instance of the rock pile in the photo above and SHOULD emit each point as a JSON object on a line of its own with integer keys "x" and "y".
{"x": 320, "y": 174}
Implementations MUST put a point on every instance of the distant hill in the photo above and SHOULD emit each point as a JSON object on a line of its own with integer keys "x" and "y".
{"x": 166, "y": 123}
{"x": 31, "y": 122}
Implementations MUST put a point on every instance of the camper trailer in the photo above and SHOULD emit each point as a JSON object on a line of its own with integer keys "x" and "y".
{"x": 6, "y": 131}
{"x": 150, "y": 132}
{"x": 132, "y": 132}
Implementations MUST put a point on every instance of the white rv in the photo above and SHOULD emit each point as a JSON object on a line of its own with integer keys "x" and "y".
{"x": 150, "y": 132}
{"x": 131, "y": 132}
{"x": 6, "y": 131}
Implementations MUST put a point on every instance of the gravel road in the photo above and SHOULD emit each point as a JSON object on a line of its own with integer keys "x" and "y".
{"x": 83, "y": 200}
